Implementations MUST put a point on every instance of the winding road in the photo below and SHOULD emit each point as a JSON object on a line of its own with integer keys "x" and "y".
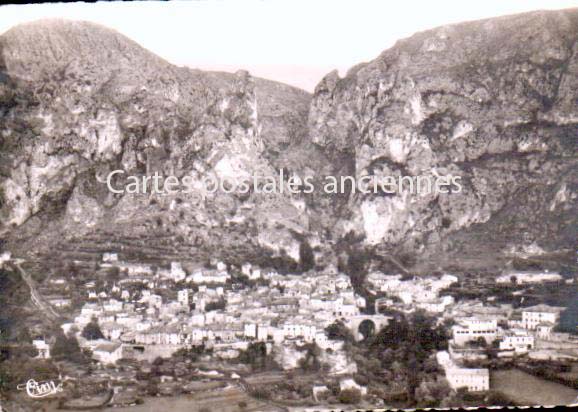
{"x": 35, "y": 296}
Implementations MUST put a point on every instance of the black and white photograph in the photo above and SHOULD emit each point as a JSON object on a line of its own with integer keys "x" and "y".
{"x": 288, "y": 205}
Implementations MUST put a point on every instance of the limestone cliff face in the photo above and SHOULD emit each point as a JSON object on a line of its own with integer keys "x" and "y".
{"x": 492, "y": 101}
{"x": 80, "y": 100}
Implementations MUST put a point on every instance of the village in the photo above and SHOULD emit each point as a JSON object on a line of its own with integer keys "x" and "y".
{"x": 143, "y": 314}
{"x": 475, "y": 326}
{"x": 212, "y": 310}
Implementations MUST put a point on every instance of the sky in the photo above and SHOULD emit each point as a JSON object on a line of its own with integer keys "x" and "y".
{"x": 293, "y": 41}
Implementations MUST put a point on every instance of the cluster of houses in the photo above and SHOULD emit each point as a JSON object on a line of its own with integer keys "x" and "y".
{"x": 508, "y": 332}
{"x": 476, "y": 326}
{"x": 214, "y": 310}
{"x": 411, "y": 294}
{"x": 142, "y": 316}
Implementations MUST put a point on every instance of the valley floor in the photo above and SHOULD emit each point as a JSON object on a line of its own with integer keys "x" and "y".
{"x": 525, "y": 389}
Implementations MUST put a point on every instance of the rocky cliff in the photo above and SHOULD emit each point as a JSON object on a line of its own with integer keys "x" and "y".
{"x": 492, "y": 101}
{"x": 80, "y": 100}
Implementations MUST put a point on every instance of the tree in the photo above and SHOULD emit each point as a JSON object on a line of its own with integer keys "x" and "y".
{"x": 92, "y": 331}
{"x": 216, "y": 305}
{"x": 499, "y": 399}
{"x": 311, "y": 360}
{"x": 350, "y": 396}
{"x": 152, "y": 389}
{"x": 479, "y": 342}
{"x": 192, "y": 353}
{"x": 338, "y": 331}
{"x": 113, "y": 274}
{"x": 260, "y": 393}
{"x": 256, "y": 356}
{"x": 67, "y": 347}
{"x": 367, "y": 328}
{"x": 306, "y": 256}
{"x": 71, "y": 268}
{"x": 432, "y": 393}
{"x": 405, "y": 347}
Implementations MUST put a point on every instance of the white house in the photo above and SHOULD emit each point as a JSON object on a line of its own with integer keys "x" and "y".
{"x": 346, "y": 310}
{"x": 474, "y": 380}
{"x": 544, "y": 331}
{"x": 183, "y": 296}
{"x": 301, "y": 329}
{"x": 383, "y": 282}
{"x": 112, "y": 305}
{"x": 246, "y": 269}
{"x": 108, "y": 353}
{"x": 112, "y": 330}
{"x": 349, "y": 383}
{"x": 136, "y": 269}
{"x": 60, "y": 302}
{"x": 209, "y": 276}
{"x": 109, "y": 257}
{"x": 469, "y": 329}
{"x": 262, "y": 332}
{"x": 540, "y": 314}
{"x": 250, "y": 330}
{"x": 518, "y": 341}
{"x": 177, "y": 272}
{"x": 155, "y": 301}
{"x": 5, "y": 257}
{"x": 436, "y": 306}
{"x": 255, "y": 274}
{"x": 42, "y": 347}
{"x": 529, "y": 277}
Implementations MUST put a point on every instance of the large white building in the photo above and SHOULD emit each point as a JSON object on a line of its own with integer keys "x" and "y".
{"x": 470, "y": 329}
{"x": 529, "y": 277}
{"x": 540, "y": 315}
{"x": 474, "y": 380}
{"x": 209, "y": 276}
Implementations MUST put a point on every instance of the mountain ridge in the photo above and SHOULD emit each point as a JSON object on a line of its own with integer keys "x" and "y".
{"x": 464, "y": 99}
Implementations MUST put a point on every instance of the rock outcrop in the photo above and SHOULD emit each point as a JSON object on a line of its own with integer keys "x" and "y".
{"x": 491, "y": 101}
{"x": 80, "y": 100}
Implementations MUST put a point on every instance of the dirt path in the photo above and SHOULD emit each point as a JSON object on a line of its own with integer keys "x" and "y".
{"x": 36, "y": 298}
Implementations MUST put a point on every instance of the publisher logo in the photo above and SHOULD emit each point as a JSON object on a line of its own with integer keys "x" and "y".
{"x": 40, "y": 389}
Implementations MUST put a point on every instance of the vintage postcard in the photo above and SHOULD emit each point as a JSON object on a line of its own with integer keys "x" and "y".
{"x": 288, "y": 205}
